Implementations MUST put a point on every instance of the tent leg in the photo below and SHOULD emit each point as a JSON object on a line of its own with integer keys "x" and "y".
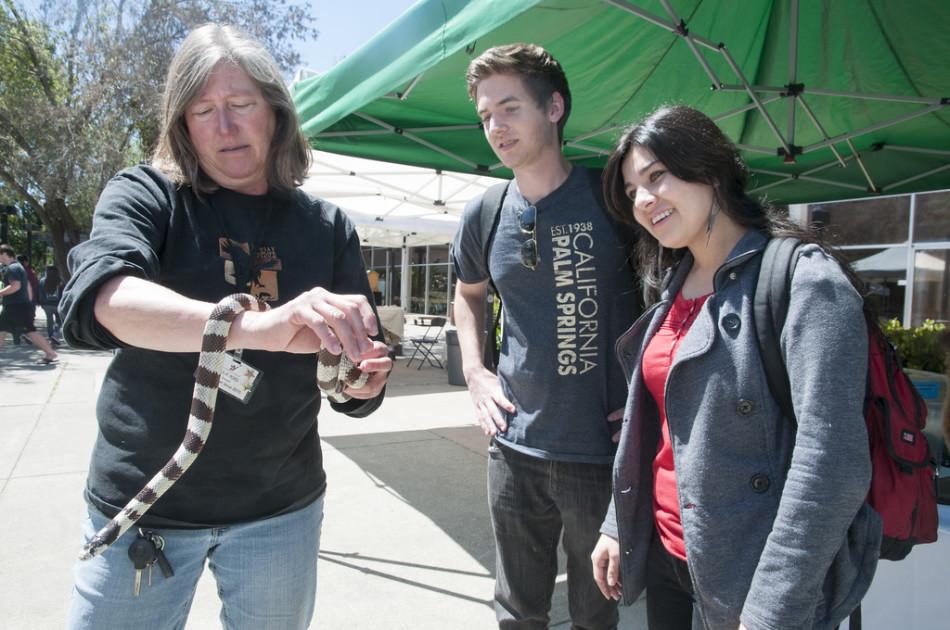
{"x": 404, "y": 283}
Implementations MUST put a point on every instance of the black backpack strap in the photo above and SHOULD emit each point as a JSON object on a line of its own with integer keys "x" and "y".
{"x": 489, "y": 214}
{"x": 855, "y": 621}
{"x": 770, "y": 307}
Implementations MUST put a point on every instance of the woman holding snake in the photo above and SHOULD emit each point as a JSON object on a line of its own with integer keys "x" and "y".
{"x": 217, "y": 212}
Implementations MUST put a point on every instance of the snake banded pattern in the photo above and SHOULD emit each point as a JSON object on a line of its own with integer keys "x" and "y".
{"x": 208, "y": 377}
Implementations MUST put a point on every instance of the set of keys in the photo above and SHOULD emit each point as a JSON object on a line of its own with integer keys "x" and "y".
{"x": 145, "y": 551}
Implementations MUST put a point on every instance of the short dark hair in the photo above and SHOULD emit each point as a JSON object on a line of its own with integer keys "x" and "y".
{"x": 540, "y": 72}
{"x": 9, "y": 251}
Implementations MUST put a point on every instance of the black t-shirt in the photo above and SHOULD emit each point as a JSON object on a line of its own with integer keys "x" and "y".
{"x": 15, "y": 272}
{"x": 262, "y": 458}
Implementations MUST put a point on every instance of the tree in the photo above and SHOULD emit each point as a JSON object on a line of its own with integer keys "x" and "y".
{"x": 80, "y": 92}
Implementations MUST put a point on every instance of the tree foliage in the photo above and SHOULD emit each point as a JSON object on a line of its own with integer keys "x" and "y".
{"x": 80, "y": 86}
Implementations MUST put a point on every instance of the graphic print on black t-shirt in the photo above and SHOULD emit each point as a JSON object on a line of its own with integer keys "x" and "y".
{"x": 261, "y": 273}
{"x": 575, "y": 282}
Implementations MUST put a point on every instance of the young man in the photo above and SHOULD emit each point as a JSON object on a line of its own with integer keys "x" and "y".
{"x": 18, "y": 309}
{"x": 568, "y": 292}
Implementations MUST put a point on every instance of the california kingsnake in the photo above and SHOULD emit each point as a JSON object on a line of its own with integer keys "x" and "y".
{"x": 334, "y": 372}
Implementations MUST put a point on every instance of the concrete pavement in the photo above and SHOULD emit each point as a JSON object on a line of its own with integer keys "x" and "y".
{"x": 406, "y": 539}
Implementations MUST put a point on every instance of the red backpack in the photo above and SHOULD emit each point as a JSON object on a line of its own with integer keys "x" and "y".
{"x": 903, "y": 471}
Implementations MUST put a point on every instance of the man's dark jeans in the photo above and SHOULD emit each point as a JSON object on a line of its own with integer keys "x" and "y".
{"x": 531, "y": 501}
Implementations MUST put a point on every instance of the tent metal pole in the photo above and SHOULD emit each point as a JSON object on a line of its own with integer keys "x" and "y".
{"x": 404, "y": 277}
{"x": 444, "y": 128}
{"x": 755, "y": 99}
{"x": 932, "y": 171}
{"x": 683, "y": 32}
{"x": 354, "y": 134}
{"x": 383, "y": 132}
{"x": 658, "y": 21}
{"x": 819, "y": 127}
{"x": 596, "y": 132}
{"x": 792, "y": 67}
{"x": 754, "y": 149}
{"x": 759, "y": 189}
{"x": 911, "y": 267}
{"x": 583, "y": 156}
{"x": 831, "y": 182}
{"x": 418, "y": 140}
{"x": 874, "y": 127}
{"x": 896, "y": 147}
{"x": 746, "y": 108}
{"x": 584, "y": 147}
{"x": 407, "y": 197}
{"x": 864, "y": 170}
{"x": 646, "y": 15}
{"x": 894, "y": 98}
{"x": 804, "y": 176}
{"x": 405, "y": 93}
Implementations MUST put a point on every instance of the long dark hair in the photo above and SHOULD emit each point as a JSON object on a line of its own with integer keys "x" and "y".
{"x": 694, "y": 149}
{"x": 51, "y": 279}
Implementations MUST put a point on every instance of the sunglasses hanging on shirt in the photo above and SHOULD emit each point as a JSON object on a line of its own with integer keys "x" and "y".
{"x": 527, "y": 220}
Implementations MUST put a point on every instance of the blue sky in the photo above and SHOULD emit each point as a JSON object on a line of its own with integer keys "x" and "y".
{"x": 344, "y": 26}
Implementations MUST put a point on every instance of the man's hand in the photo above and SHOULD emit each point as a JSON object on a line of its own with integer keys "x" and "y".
{"x": 489, "y": 401}
{"x": 615, "y": 416}
{"x": 606, "y": 562}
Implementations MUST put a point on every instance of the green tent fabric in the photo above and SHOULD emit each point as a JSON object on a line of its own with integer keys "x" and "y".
{"x": 826, "y": 100}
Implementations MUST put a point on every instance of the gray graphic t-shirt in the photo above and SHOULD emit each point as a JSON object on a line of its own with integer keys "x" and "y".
{"x": 561, "y": 320}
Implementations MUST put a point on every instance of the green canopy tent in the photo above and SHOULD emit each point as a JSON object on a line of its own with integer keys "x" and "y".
{"x": 826, "y": 100}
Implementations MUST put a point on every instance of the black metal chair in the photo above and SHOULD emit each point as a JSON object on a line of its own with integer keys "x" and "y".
{"x": 424, "y": 345}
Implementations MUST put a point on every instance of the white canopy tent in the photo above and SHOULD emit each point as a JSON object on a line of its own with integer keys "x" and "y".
{"x": 394, "y": 205}
{"x": 892, "y": 262}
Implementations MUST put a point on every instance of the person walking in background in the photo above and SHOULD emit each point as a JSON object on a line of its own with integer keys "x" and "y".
{"x": 19, "y": 313}
{"x": 726, "y": 512}
{"x": 50, "y": 292}
{"x": 219, "y": 211}
{"x": 34, "y": 282}
{"x": 560, "y": 266}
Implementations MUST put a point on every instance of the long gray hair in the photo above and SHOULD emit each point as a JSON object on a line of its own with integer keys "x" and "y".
{"x": 203, "y": 49}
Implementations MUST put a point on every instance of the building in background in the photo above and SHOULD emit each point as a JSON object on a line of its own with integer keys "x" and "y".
{"x": 900, "y": 246}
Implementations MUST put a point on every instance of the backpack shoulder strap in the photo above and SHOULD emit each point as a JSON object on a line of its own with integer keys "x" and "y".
{"x": 770, "y": 307}
{"x": 489, "y": 213}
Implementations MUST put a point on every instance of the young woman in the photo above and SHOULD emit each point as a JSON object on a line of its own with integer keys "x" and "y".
{"x": 726, "y": 513}
{"x": 51, "y": 291}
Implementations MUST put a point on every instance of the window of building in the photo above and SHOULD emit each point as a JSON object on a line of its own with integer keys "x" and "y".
{"x": 932, "y": 217}
{"x": 864, "y": 221}
{"x": 931, "y": 286}
{"x": 900, "y": 247}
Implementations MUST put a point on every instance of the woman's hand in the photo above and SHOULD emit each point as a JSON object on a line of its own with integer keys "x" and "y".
{"x": 313, "y": 320}
{"x": 377, "y": 364}
{"x": 606, "y": 561}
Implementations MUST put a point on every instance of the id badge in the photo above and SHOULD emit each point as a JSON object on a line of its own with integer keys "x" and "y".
{"x": 238, "y": 378}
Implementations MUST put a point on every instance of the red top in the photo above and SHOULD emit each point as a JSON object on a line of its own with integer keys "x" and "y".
{"x": 656, "y": 364}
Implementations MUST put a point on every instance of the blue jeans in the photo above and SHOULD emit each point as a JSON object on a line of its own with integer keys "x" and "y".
{"x": 266, "y": 572}
{"x": 534, "y": 503}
